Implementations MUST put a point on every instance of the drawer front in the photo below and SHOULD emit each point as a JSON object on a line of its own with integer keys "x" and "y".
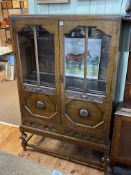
{"x": 96, "y": 137}
{"x": 41, "y": 106}
{"x": 40, "y": 124}
{"x": 83, "y": 114}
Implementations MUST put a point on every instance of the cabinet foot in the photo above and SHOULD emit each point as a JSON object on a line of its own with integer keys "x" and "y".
{"x": 106, "y": 162}
{"x": 23, "y": 140}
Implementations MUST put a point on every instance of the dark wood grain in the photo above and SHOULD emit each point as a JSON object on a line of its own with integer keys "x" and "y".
{"x": 121, "y": 143}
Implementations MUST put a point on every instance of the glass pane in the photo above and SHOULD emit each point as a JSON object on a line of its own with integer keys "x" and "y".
{"x": 27, "y": 55}
{"x": 74, "y": 59}
{"x": 97, "y": 60}
{"x": 46, "y": 57}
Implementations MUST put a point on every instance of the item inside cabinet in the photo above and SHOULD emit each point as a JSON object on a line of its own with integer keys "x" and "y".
{"x": 96, "y": 58}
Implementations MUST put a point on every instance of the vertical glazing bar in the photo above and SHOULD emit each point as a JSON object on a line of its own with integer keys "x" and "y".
{"x": 85, "y": 58}
{"x": 36, "y": 55}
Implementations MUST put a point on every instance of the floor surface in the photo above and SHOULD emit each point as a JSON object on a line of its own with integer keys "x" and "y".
{"x": 10, "y": 142}
{"x": 15, "y": 165}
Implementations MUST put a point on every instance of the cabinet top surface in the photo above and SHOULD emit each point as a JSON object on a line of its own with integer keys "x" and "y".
{"x": 68, "y": 17}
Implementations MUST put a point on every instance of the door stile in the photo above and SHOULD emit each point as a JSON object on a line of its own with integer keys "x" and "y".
{"x": 62, "y": 70}
{"x": 57, "y": 70}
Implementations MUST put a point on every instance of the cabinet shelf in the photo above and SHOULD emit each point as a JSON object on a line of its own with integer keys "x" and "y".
{"x": 14, "y": 8}
{"x": 46, "y": 80}
{"x": 95, "y": 86}
{"x": 5, "y": 50}
{"x": 5, "y": 27}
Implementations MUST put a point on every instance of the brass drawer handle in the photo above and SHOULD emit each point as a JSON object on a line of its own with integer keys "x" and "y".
{"x": 40, "y": 104}
{"x": 84, "y": 113}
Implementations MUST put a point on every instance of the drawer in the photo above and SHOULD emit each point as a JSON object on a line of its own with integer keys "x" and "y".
{"x": 98, "y": 137}
{"x": 39, "y": 124}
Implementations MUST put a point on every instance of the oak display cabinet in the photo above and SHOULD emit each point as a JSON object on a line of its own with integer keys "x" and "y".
{"x": 65, "y": 72}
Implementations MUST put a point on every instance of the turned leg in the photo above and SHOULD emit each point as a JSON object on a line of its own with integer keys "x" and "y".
{"x": 106, "y": 161}
{"x": 24, "y": 141}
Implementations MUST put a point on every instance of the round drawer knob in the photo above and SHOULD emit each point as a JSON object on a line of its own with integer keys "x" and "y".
{"x": 84, "y": 113}
{"x": 40, "y": 104}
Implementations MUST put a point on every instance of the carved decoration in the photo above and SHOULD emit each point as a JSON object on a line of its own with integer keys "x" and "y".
{"x": 36, "y": 115}
{"x": 40, "y": 125}
{"x": 85, "y": 136}
{"x": 43, "y": 90}
{"x": 88, "y": 97}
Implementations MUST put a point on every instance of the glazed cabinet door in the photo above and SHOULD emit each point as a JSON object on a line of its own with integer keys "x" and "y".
{"x": 87, "y": 73}
{"x": 37, "y": 57}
